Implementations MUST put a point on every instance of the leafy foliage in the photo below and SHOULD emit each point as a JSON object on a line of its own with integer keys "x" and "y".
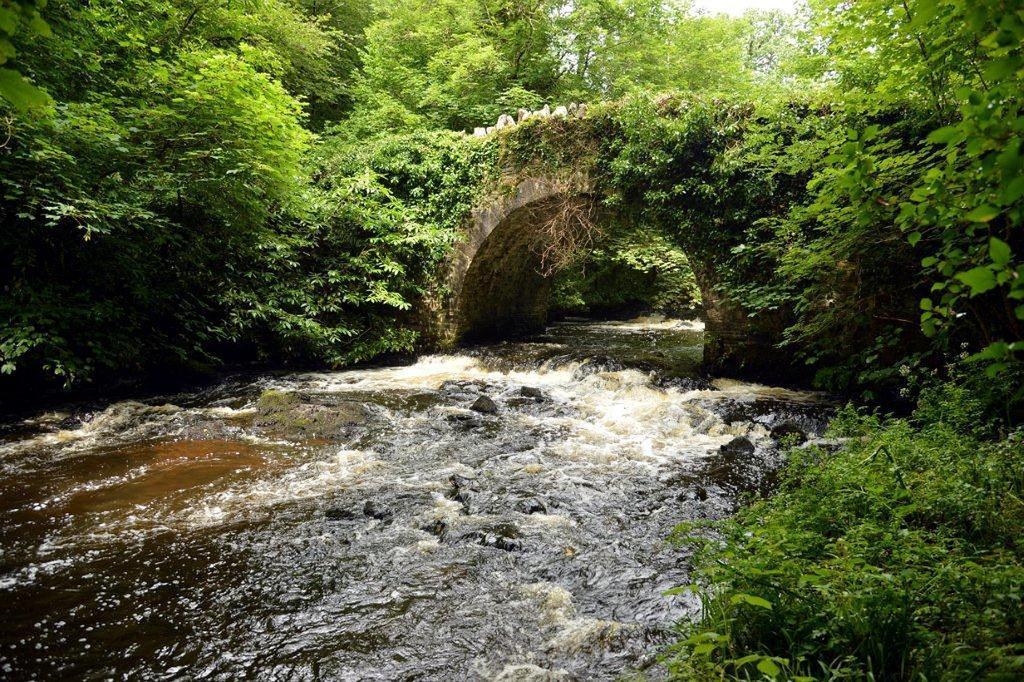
{"x": 460, "y": 64}
{"x": 337, "y": 284}
{"x": 173, "y": 208}
{"x": 637, "y": 268}
{"x": 20, "y": 17}
{"x": 896, "y": 558}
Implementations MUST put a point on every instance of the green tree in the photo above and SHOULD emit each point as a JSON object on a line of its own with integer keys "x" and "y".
{"x": 20, "y": 20}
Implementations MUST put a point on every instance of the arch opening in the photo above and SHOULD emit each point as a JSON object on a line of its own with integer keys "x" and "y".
{"x": 505, "y": 288}
{"x": 505, "y": 292}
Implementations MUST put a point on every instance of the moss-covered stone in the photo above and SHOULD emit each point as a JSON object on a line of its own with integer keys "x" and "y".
{"x": 285, "y": 414}
{"x": 273, "y": 401}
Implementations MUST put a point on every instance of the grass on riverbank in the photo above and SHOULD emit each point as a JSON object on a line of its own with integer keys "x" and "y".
{"x": 900, "y": 557}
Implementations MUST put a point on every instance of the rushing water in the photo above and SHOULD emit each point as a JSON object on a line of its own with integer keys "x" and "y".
{"x": 217, "y": 535}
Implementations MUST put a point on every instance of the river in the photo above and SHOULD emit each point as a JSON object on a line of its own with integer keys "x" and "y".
{"x": 500, "y": 513}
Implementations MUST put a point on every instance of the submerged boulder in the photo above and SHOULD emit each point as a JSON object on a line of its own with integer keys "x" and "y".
{"x": 437, "y": 528}
{"x": 531, "y": 392}
{"x": 375, "y": 510}
{"x": 596, "y": 365}
{"x": 461, "y": 491}
{"x": 532, "y": 505}
{"x": 740, "y": 445}
{"x": 484, "y": 405}
{"x": 503, "y": 536}
{"x": 464, "y": 420}
{"x": 340, "y": 514}
{"x": 789, "y": 430}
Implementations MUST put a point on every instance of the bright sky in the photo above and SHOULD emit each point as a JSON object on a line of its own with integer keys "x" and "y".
{"x": 739, "y": 6}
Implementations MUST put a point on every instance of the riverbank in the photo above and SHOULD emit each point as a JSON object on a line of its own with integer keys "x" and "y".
{"x": 897, "y": 557}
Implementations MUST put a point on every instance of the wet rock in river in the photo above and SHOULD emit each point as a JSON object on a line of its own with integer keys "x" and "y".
{"x": 437, "y": 528}
{"x": 377, "y": 511}
{"x": 71, "y": 422}
{"x": 286, "y": 413}
{"x": 532, "y": 505}
{"x": 460, "y": 481}
{"x": 810, "y": 418}
{"x": 464, "y": 420}
{"x": 273, "y": 401}
{"x": 789, "y": 430}
{"x": 463, "y": 390}
{"x": 701, "y": 419}
{"x": 740, "y": 445}
{"x": 339, "y": 514}
{"x": 531, "y": 392}
{"x": 597, "y": 365}
{"x": 484, "y": 405}
{"x": 738, "y": 467}
{"x": 503, "y": 536}
{"x": 683, "y": 383}
{"x": 461, "y": 492}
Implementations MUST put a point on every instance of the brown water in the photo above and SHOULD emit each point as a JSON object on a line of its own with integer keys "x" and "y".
{"x": 194, "y": 536}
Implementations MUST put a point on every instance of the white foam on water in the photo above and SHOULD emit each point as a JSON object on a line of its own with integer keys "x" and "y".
{"x": 587, "y": 634}
{"x": 529, "y": 672}
{"x": 649, "y": 323}
{"x": 225, "y": 412}
{"x": 127, "y": 419}
{"x": 307, "y": 480}
{"x": 428, "y": 372}
{"x": 745, "y": 390}
{"x": 625, "y": 421}
{"x": 549, "y": 520}
{"x": 553, "y": 602}
{"x": 573, "y": 634}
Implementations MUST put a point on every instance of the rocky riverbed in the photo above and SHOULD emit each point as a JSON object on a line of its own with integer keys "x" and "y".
{"x": 501, "y": 513}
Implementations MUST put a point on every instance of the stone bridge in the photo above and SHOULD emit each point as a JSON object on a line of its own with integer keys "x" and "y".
{"x": 495, "y": 286}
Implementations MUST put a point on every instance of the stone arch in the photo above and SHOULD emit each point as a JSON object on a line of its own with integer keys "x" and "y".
{"x": 494, "y": 287}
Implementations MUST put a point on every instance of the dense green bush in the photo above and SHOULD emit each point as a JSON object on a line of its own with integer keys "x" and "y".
{"x": 144, "y": 206}
{"x": 336, "y": 284}
{"x": 172, "y": 145}
{"x": 199, "y": 270}
{"x": 899, "y": 557}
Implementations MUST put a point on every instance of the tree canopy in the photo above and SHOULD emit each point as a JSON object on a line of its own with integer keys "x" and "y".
{"x": 160, "y": 158}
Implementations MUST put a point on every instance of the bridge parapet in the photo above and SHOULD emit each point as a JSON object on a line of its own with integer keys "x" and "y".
{"x": 573, "y": 110}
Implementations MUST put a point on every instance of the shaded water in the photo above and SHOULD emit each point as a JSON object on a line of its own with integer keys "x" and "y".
{"x": 218, "y": 535}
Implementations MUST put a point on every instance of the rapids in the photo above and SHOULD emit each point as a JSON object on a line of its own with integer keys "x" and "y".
{"x": 435, "y": 534}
